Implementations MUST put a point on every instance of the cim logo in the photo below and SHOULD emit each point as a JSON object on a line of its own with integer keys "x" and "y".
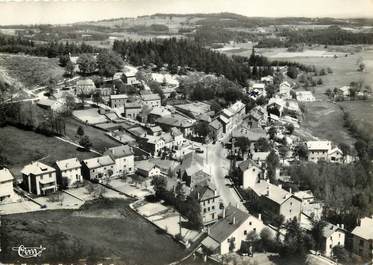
{"x": 29, "y": 252}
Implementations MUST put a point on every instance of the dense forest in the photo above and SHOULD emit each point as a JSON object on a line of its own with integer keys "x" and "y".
{"x": 185, "y": 53}
{"x": 12, "y": 44}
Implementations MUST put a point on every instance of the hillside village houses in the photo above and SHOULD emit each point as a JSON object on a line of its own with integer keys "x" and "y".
{"x": 276, "y": 200}
{"x": 124, "y": 159}
{"x": 209, "y": 201}
{"x": 39, "y": 178}
{"x": 6, "y": 186}
{"x": 333, "y": 236}
{"x": 362, "y": 238}
{"x": 68, "y": 172}
{"x": 228, "y": 233}
{"x": 98, "y": 168}
{"x": 305, "y": 96}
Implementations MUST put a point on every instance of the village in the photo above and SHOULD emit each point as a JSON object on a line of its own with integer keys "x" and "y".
{"x": 216, "y": 180}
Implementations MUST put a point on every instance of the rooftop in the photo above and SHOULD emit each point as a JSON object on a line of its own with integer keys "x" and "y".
{"x": 5, "y": 175}
{"x": 145, "y": 165}
{"x": 234, "y": 218}
{"x": 119, "y": 96}
{"x": 329, "y": 229}
{"x": 272, "y": 192}
{"x": 98, "y": 162}
{"x": 68, "y": 164}
{"x": 119, "y": 151}
{"x": 244, "y": 165}
{"x": 176, "y": 120}
{"x": 365, "y": 229}
{"x": 37, "y": 168}
{"x": 319, "y": 145}
{"x": 149, "y": 97}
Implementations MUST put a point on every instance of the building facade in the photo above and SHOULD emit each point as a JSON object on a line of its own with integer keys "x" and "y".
{"x": 39, "y": 178}
{"x": 69, "y": 172}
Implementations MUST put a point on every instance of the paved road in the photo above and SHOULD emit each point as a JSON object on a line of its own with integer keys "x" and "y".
{"x": 218, "y": 166}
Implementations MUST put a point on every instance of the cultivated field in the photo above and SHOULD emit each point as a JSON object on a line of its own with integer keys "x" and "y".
{"x": 21, "y": 147}
{"x": 102, "y": 229}
{"x": 31, "y": 70}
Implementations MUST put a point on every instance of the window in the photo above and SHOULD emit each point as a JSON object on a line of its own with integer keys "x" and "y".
{"x": 250, "y": 223}
{"x": 212, "y": 207}
{"x": 254, "y": 229}
{"x": 245, "y": 232}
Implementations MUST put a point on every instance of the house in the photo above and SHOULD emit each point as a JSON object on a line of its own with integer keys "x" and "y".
{"x": 226, "y": 119}
{"x": 98, "y": 168}
{"x": 118, "y": 101}
{"x": 217, "y": 128}
{"x": 228, "y": 233}
{"x": 335, "y": 155}
{"x": 184, "y": 124}
{"x": 284, "y": 90}
{"x": 239, "y": 110}
{"x": 268, "y": 80}
{"x": 147, "y": 169}
{"x": 132, "y": 109}
{"x": 129, "y": 75}
{"x": 158, "y": 112}
{"x": 191, "y": 170}
{"x": 344, "y": 91}
{"x": 124, "y": 159}
{"x": 258, "y": 90}
{"x": 250, "y": 173}
{"x": 68, "y": 172}
{"x": 152, "y": 100}
{"x": 53, "y": 105}
{"x": 310, "y": 206}
{"x": 154, "y": 130}
{"x": 362, "y": 238}
{"x": 332, "y": 236}
{"x": 277, "y": 201}
{"x": 85, "y": 86}
{"x": 39, "y": 178}
{"x": 260, "y": 157}
{"x": 305, "y": 96}
{"x": 209, "y": 202}
{"x": 258, "y": 116}
{"x": 196, "y": 110}
{"x": 6, "y": 186}
{"x": 318, "y": 150}
{"x": 167, "y": 167}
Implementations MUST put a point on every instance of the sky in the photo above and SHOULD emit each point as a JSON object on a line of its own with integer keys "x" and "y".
{"x": 69, "y": 11}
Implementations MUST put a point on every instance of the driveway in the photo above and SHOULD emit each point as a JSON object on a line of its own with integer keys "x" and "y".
{"x": 218, "y": 166}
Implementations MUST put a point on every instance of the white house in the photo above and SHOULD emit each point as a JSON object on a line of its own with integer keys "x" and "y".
{"x": 284, "y": 90}
{"x": 39, "y": 178}
{"x": 344, "y": 91}
{"x": 69, "y": 172}
{"x": 305, "y": 96}
{"x": 318, "y": 150}
{"x": 147, "y": 169}
{"x": 124, "y": 159}
{"x": 250, "y": 173}
{"x": 98, "y": 168}
{"x": 333, "y": 235}
{"x": 335, "y": 155}
{"x": 228, "y": 233}
{"x": 362, "y": 238}
{"x": 6, "y": 186}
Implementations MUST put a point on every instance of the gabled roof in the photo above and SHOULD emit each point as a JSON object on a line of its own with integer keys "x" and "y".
{"x": 175, "y": 132}
{"x": 244, "y": 165}
{"x": 119, "y": 151}
{"x": 5, "y": 175}
{"x": 149, "y": 97}
{"x": 97, "y": 162}
{"x": 192, "y": 163}
{"x": 216, "y": 124}
{"x": 330, "y": 229}
{"x": 224, "y": 119}
{"x": 145, "y": 165}
{"x": 261, "y": 156}
{"x": 335, "y": 150}
{"x": 205, "y": 192}
{"x": 319, "y": 145}
{"x": 227, "y": 113}
{"x": 234, "y": 218}
{"x": 272, "y": 192}
{"x": 37, "y": 168}
{"x": 68, "y": 164}
{"x": 365, "y": 229}
{"x": 160, "y": 111}
{"x": 85, "y": 82}
{"x": 119, "y": 96}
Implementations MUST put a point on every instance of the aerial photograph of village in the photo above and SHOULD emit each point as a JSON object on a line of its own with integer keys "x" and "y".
{"x": 175, "y": 132}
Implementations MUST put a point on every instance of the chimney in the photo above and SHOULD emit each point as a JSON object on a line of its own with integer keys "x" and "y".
{"x": 260, "y": 216}
{"x": 280, "y": 186}
{"x": 223, "y": 212}
{"x": 267, "y": 191}
{"x": 291, "y": 190}
{"x": 342, "y": 226}
{"x": 198, "y": 195}
{"x": 234, "y": 220}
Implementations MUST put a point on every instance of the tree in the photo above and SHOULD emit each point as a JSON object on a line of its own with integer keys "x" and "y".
{"x": 262, "y": 145}
{"x": 361, "y": 67}
{"x": 51, "y": 85}
{"x": 87, "y": 64}
{"x": 290, "y": 128}
{"x": 109, "y": 63}
{"x": 345, "y": 148}
{"x": 80, "y": 131}
{"x": 69, "y": 102}
{"x": 319, "y": 82}
{"x": 341, "y": 254}
{"x": 159, "y": 184}
{"x": 85, "y": 142}
{"x": 272, "y": 132}
{"x": 292, "y": 72}
{"x": 243, "y": 144}
{"x": 97, "y": 98}
{"x": 202, "y": 129}
{"x": 283, "y": 151}
{"x": 64, "y": 59}
{"x": 317, "y": 233}
{"x": 272, "y": 162}
{"x": 301, "y": 151}
{"x": 69, "y": 69}
{"x": 296, "y": 243}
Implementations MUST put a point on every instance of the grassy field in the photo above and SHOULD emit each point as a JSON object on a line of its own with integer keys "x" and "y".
{"x": 31, "y": 70}
{"x": 21, "y": 147}
{"x": 99, "y": 140}
{"x": 101, "y": 229}
{"x": 325, "y": 120}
